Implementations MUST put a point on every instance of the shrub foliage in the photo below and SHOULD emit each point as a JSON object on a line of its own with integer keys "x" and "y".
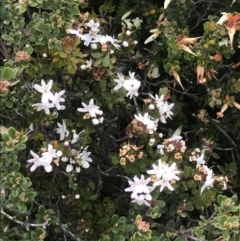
{"x": 119, "y": 120}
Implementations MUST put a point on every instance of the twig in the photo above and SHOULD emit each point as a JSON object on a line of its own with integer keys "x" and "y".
{"x": 25, "y": 224}
{"x": 70, "y": 234}
{"x": 4, "y": 50}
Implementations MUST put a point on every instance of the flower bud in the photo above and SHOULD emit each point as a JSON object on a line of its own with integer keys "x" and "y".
{"x": 151, "y": 142}
{"x": 95, "y": 121}
{"x": 128, "y": 32}
{"x": 151, "y": 107}
{"x": 93, "y": 45}
{"x": 77, "y": 196}
{"x": 125, "y": 44}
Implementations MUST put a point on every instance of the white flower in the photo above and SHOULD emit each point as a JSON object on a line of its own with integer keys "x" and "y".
{"x": 93, "y": 25}
{"x": 44, "y": 106}
{"x": 89, "y": 63}
{"x": 223, "y": 19}
{"x": 75, "y": 138}
{"x": 168, "y": 174}
{"x": 200, "y": 161}
{"x": 146, "y": 120}
{"x": 71, "y": 165}
{"x": 224, "y": 41}
{"x": 140, "y": 190}
{"x": 209, "y": 179}
{"x": 120, "y": 81}
{"x": 137, "y": 22}
{"x": 107, "y": 38}
{"x": 36, "y": 161}
{"x": 39, "y": 161}
{"x": 132, "y": 87}
{"x": 75, "y": 32}
{"x": 92, "y": 109}
{"x": 127, "y": 23}
{"x": 141, "y": 199}
{"x": 57, "y": 98}
{"x": 62, "y": 130}
{"x": 45, "y": 89}
{"x": 50, "y": 153}
{"x": 165, "y": 174}
{"x": 84, "y": 156}
{"x": 160, "y": 148}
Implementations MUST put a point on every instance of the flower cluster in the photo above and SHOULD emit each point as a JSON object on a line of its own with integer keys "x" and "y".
{"x": 92, "y": 36}
{"x": 45, "y": 160}
{"x": 151, "y": 125}
{"x": 130, "y": 153}
{"x": 92, "y": 112}
{"x": 173, "y": 144}
{"x": 131, "y": 84}
{"x": 205, "y": 175}
{"x": 197, "y": 157}
{"x": 140, "y": 190}
{"x": 79, "y": 159}
{"x": 164, "y": 175}
{"x": 49, "y": 100}
{"x": 131, "y": 23}
{"x": 162, "y": 106}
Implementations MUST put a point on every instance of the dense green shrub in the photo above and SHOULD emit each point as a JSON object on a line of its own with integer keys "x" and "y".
{"x": 119, "y": 120}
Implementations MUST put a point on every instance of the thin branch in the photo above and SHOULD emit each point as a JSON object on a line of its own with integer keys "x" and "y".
{"x": 25, "y": 224}
{"x": 70, "y": 234}
{"x": 4, "y": 50}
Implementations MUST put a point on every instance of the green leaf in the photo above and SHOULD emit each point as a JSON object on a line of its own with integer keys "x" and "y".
{"x": 23, "y": 139}
{"x": 22, "y": 207}
{"x": 12, "y": 132}
{"x": 73, "y": 10}
{"x": 16, "y": 167}
{"x": 7, "y": 73}
{"x": 215, "y": 155}
{"x": 106, "y": 61}
{"x": 103, "y": 84}
{"x": 42, "y": 27}
{"x": 31, "y": 195}
{"x": 5, "y": 137}
{"x": 107, "y": 96}
{"x": 122, "y": 220}
{"x": 91, "y": 185}
{"x": 9, "y": 104}
{"x": 129, "y": 228}
{"x": 114, "y": 218}
{"x": 21, "y": 147}
{"x": 53, "y": 220}
{"x": 115, "y": 230}
{"x": 97, "y": 55}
